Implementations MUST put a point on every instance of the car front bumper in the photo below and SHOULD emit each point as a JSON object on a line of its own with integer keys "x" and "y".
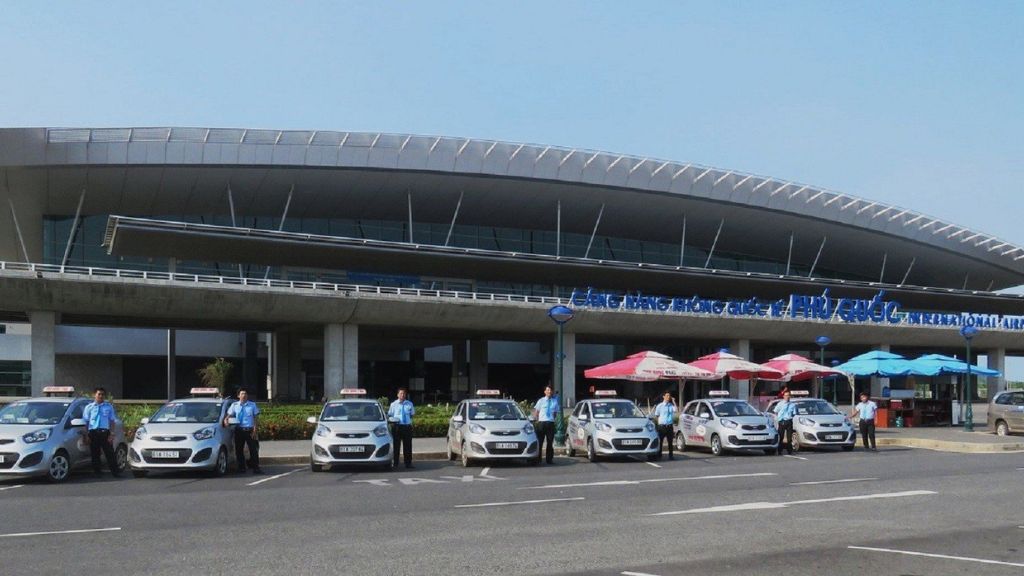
{"x": 610, "y": 444}
{"x": 811, "y": 436}
{"x": 734, "y": 440}
{"x": 191, "y": 454}
{"x": 21, "y": 459}
{"x": 492, "y": 446}
{"x": 334, "y": 450}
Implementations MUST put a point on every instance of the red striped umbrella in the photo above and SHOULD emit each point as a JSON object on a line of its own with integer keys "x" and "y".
{"x": 796, "y": 368}
{"x": 647, "y": 367}
{"x": 725, "y": 364}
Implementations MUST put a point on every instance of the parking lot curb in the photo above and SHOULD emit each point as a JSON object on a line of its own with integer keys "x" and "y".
{"x": 949, "y": 446}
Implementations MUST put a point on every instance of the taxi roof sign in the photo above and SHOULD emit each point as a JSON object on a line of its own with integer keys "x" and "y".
{"x": 353, "y": 392}
{"x": 492, "y": 393}
{"x": 206, "y": 391}
{"x": 718, "y": 393}
{"x": 58, "y": 390}
{"x": 799, "y": 393}
{"x": 605, "y": 393}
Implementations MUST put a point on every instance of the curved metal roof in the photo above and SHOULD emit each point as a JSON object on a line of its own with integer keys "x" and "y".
{"x": 473, "y": 157}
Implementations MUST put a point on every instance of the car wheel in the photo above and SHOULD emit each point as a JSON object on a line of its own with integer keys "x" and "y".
{"x": 848, "y": 448}
{"x": 1002, "y": 429}
{"x": 121, "y": 458}
{"x": 60, "y": 467}
{"x": 220, "y": 467}
{"x": 716, "y": 445}
{"x": 140, "y": 473}
{"x": 795, "y": 442}
{"x": 388, "y": 466}
{"x": 770, "y": 451}
{"x": 680, "y": 441}
{"x": 570, "y": 450}
{"x": 464, "y": 455}
{"x": 451, "y": 455}
{"x": 591, "y": 453}
{"x": 313, "y": 466}
{"x": 533, "y": 461}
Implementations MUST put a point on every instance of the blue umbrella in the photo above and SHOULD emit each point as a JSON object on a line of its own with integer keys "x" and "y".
{"x": 935, "y": 364}
{"x": 878, "y": 363}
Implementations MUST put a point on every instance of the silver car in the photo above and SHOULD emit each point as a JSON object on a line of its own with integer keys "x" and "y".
{"x": 610, "y": 426}
{"x": 351, "y": 431}
{"x": 817, "y": 424}
{"x": 1006, "y": 412}
{"x": 491, "y": 429}
{"x": 724, "y": 424}
{"x": 186, "y": 434}
{"x": 46, "y": 436}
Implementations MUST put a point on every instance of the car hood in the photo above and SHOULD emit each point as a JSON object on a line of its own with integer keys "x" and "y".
{"x": 624, "y": 422}
{"x": 349, "y": 426}
{"x": 750, "y": 420}
{"x": 501, "y": 425}
{"x": 176, "y": 428}
{"x": 825, "y": 418}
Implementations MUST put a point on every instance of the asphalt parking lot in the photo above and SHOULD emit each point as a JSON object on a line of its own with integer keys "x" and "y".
{"x": 898, "y": 511}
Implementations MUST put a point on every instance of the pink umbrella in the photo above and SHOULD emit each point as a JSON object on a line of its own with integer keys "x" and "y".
{"x": 796, "y": 368}
{"x": 647, "y": 367}
{"x": 725, "y": 364}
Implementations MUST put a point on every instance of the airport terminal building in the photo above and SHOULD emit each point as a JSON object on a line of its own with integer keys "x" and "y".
{"x": 317, "y": 260}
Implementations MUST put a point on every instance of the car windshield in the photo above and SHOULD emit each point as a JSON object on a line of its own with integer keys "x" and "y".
{"x": 723, "y": 408}
{"x": 352, "y": 412}
{"x": 814, "y": 407}
{"x": 495, "y": 411}
{"x": 615, "y": 409}
{"x": 46, "y": 413}
{"x": 187, "y": 413}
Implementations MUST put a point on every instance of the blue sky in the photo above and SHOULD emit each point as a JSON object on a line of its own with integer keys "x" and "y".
{"x": 918, "y": 104}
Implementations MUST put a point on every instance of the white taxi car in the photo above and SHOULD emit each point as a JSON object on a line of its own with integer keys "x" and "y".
{"x": 491, "y": 428}
{"x": 352, "y": 430}
{"x": 186, "y": 434}
{"x": 721, "y": 423}
{"x": 610, "y": 426}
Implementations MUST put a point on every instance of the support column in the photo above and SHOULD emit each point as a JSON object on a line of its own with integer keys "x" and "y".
{"x": 877, "y": 384}
{"x": 172, "y": 364}
{"x": 460, "y": 381}
{"x": 996, "y": 361}
{"x": 477, "y": 364}
{"x": 341, "y": 358}
{"x": 740, "y": 388}
{"x": 569, "y": 369}
{"x": 44, "y": 350}
{"x": 250, "y": 362}
{"x": 286, "y": 370}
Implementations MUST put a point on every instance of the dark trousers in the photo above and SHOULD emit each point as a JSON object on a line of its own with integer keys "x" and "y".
{"x": 665, "y": 433}
{"x": 785, "y": 436}
{"x": 867, "y": 431}
{"x": 244, "y": 437}
{"x": 100, "y": 440}
{"x": 402, "y": 438}
{"x": 546, "y": 436}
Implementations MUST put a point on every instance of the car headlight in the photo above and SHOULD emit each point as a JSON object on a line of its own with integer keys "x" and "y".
{"x": 322, "y": 430}
{"x": 846, "y": 420}
{"x": 140, "y": 433}
{"x": 728, "y": 423}
{"x": 381, "y": 431}
{"x": 528, "y": 429}
{"x": 603, "y": 427}
{"x": 37, "y": 436}
{"x": 806, "y": 421}
{"x": 477, "y": 429}
{"x": 649, "y": 426}
{"x": 205, "y": 433}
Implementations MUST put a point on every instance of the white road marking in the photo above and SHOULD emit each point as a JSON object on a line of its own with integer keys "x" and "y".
{"x": 635, "y": 482}
{"x": 485, "y": 471}
{"x": 832, "y": 481}
{"x": 637, "y": 574}
{"x": 21, "y": 534}
{"x": 797, "y": 457}
{"x": 941, "y": 556}
{"x": 772, "y": 505}
{"x": 653, "y": 464}
{"x": 11, "y": 487}
{"x": 274, "y": 477}
{"x": 488, "y": 504}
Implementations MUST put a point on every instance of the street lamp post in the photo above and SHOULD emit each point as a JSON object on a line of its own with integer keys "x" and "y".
{"x": 559, "y": 315}
{"x": 968, "y": 332}
{"x": 823, "y": 341}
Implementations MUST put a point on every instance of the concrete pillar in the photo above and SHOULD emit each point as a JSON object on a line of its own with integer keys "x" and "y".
{"x": 477, "y": 364}
{"x": 460, "y": 380}
{"x": 172, "y": 364}
{"x": 250, "y": 362}
{"x": 740, "y": 388}
{"x": 286, "y": 368}
{"x": 996, "y": 361}
{"x": 44, "y": 350}
{"x": 341, "y": 358}
{"x": 568, "y": 367}
{"x": 877, "y": 384}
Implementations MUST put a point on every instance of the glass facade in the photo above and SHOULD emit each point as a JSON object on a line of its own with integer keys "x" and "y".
{"x": 87, "y": 250}
{"x": 15, "y": 378}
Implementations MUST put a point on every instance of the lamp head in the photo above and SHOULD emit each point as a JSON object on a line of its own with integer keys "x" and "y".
{"x": 560, "y": 314}
{"x": 969, "y": 332}
{"x": 823, "y": 341}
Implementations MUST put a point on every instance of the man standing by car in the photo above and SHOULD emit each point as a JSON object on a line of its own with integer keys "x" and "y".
{"x": 400, "y": 415}
{"x": 784, "y": 413}
{"x": 866, "y": 411}
{"x": 665, "y": 415}
{"x": 246, "y": 431}
{"x": 544, "y": 412}
{"x": 101, "y": 419}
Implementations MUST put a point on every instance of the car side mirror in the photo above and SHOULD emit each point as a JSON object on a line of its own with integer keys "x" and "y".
{"x": 583, "y": 418}
{"x": 705, "y": 415}
{"x": 458, "y": 418}
{"x": 310, "y": 420}
{"x": 144, "y": 421}
{"x": 77, "y": 422}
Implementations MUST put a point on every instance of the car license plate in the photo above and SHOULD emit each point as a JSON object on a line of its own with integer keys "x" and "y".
{"x": 833, "y": 436}
{"x": 350, "y": 448}
{"x": 165, "y": 453}
{"x": 757, "y": 436}
{"x": 506, "y": 445}
{"x": 632, "y": 442}
{"x": 3, "y": 459}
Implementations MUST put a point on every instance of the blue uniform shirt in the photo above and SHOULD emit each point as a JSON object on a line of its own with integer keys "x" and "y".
{"x": 867, "y": 410}
{"x": 246, "y": 413}
{"x": 99, "y": 416}
{"x": 786, "y": 410}
{"x": 546, "y": 409}
{"x": 666, "y": 413}
{"x": 401, "y": 412}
